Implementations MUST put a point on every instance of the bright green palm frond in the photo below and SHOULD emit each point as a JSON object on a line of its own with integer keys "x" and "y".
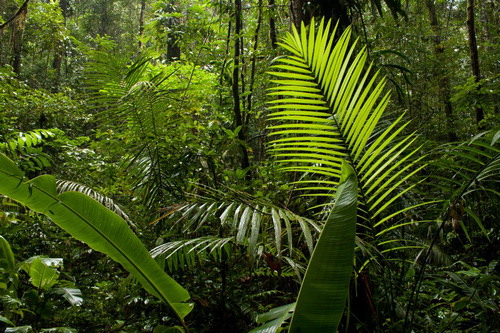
{"x": 329, "y": 108}
{"x": 482, "y": 156}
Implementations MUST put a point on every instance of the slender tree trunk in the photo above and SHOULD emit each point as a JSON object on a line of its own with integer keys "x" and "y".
{"x": 173, "y": 48}
{"x": 490, "y": 18}
{"x": 65, "y": 7}
{"x": 254, "y": 58}
{"x": 272, "y": 25}
{"x": 56, "y": 65}
{"x": 444, "y": 89}
{"x": 336, "y": 10}
{"x": 296, "y": 12}
{"x": 18, "y": 24}
{"x": 103, "y": 24}
{"x": 474, "y": 57}
{"x": 60, "y": 51}
{"x": 224, "y": 63}
{"x": 238, "y": 117}
{"x": 236, "y": 68}
{"x": 2, "y": 61}
{"x": 141, "y": 23}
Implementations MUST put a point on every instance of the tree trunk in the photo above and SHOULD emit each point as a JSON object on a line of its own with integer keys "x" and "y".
{"x": 440, "y": 72}
{"x": 65, "y": 7}
{"x": 60, "y": 50}
{"x": 336, "y": 10}
{"x": 173, "y": 48}
{"x": 296, "y": 12}
{"x": 272, "y": 25}
{"x": 141, "y": 23}
{"x": 16, "y": 37}
{"x": 254, "y": 59}
{"x": 238, "y": 117}
{"x": 474, "y": 57}
{"x": 104, "y": 22}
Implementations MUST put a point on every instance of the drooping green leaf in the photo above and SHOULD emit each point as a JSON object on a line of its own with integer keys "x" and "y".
{"x": 6, "y": 321}
{"x": 7, "y": 260}
{"x": 58, "y": 330}
{"x": 94, "y": 224}
{"x": 323, "y": 293}
{"x": 274, "y": 319}
{"x": 19, "y": 329}
{"x": 72, "y": 295}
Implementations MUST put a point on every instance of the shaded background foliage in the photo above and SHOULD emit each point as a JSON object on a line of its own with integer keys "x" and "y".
{"x": 161, "y": 106}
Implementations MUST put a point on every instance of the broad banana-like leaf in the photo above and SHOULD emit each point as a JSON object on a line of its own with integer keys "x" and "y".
{"x": 104, "y": 231}
{"x": 323, "y": 293}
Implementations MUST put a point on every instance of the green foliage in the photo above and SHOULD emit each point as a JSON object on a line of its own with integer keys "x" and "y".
{"x": 470, "y": 170}
{"x": 23, "y": 147}
{"x": 253, "y": 222}
{"x": 274, "y": 319}
{"x": 48, "y": 38}
{"x": 458, "y": 297}
{"x": 40, "y": 298}
{"x": 99, "y": 103}
{"x": 43, "y": 276}
{"x": 318, "y": 77}
{"x": 483, "y": 94}
{"x": 157, "y": 112}
{"x": 100, "y": 228}
{"x": 322, "y": 297}
{"x": 24, "y": 109}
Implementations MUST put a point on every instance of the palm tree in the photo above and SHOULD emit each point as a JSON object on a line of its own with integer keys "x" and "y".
{"x": 329, "y": 109}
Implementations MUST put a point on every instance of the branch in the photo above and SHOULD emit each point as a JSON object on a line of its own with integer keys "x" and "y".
{"x": 21, "y": 9}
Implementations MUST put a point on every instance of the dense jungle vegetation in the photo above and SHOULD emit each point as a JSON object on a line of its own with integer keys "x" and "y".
{"x": 249, "y": 165}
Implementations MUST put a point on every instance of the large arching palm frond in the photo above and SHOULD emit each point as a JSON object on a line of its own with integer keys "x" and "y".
{"x": 253, "y": 223}
{"x": 329, "y": 108}
{"x": 149, "y": 110}
{"x": 467, "y": 174}
{"x": 137, "y": 104}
